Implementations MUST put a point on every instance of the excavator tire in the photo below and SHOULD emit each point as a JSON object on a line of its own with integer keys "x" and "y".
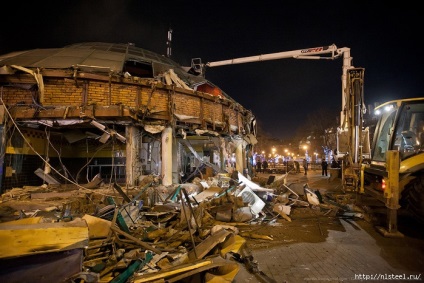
{"x": 414, "y": 197}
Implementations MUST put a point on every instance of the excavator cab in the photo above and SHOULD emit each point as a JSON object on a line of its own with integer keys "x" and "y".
{"x": 400, "y": 127}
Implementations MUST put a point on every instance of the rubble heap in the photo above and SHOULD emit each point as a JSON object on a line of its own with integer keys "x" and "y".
{"x": 151, "y": 233}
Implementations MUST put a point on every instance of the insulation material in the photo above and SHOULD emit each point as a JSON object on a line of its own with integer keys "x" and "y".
{"x": 255, "y": 203}
{"x": 182, "y": 117}
{"x": 154, "y": 129}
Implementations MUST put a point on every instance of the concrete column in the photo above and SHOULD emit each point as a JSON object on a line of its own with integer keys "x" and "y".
{"x": 167, "y": 156}
{"x": 133, "y": 168}
{"x": 240, "y": 160}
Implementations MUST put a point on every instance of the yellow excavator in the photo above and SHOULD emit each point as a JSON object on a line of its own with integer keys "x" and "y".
{"x": 395, "y": 171}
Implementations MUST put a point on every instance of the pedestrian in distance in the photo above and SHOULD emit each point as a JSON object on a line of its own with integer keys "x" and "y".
{"x": 296, "y": 166}
{"x": 264, "y": 165}
{"x": 305, "y": 166}
{"x": 324, "y": 166}
{"x": 258, "y": 166}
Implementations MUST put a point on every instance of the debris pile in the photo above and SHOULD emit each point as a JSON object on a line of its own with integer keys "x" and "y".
{"x": 189, "y": 232}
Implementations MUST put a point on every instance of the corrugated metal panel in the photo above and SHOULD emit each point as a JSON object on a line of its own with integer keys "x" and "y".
{"x": 30, "y": 58}
{"x": 111, "y": 55}
{"x": 115, "y": 61}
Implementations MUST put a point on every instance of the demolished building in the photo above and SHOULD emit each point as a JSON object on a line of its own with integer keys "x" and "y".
{"x": 97, "y": 132}
{"x": 115, "y": 112}
{"x": 107, "y": 141}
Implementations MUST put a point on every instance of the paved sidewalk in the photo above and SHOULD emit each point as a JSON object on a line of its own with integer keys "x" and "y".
{"x": 355, "y": 253}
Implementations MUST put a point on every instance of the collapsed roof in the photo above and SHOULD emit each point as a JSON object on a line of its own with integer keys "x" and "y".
{"x": 114, "y": 59}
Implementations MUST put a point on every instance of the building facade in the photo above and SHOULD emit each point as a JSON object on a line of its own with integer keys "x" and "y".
{"x": 116, "y": 112}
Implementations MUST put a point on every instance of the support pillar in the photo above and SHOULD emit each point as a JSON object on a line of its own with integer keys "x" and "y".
{"x": 133, "y": 166}
{"x": 223, "y": 155}
{"x": 167, "y": 156}
{"x": 240, "y": 160}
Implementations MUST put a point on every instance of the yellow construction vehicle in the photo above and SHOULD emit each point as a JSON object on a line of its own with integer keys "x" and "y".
{"x": 395, "y": 173}
{"x": 391, "y": 168}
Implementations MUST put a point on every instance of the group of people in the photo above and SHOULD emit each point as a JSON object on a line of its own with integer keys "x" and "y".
{"x": 304, "y": 164}
{"x": 324, "y": 167}
{"x": 261, "y": 166}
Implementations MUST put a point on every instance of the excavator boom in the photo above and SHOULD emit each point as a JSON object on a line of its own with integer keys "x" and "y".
{"x": 350, "y": 130}
{"x": 309, "y": 53}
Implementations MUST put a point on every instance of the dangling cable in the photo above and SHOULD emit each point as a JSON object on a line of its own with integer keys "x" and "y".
{"x": 33, "y": 149}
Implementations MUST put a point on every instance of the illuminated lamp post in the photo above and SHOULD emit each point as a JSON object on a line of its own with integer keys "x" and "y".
{"x": 287, "y": 159}
{"x": 305, "y": 147}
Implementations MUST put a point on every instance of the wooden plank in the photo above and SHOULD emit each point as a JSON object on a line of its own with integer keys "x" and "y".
{"x": 208, "y": 263}
{"x": 97, "y": 227}
{"x": 20, "y": 240}
{"x": 121, "y": 192}
{"x": 207, "y": 194}
{"x": 23, "y": 221}
{"x": 202, "y": 249}
{"x": 177, "y": 273}
{"x": 94, "y": 183}
{"x": 137, "y": 241}
{"x": 56, "y": 195}
{"x": 46, "y": 177}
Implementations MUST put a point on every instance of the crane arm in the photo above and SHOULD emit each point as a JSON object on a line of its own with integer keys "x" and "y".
{"x": 308, "y": 53}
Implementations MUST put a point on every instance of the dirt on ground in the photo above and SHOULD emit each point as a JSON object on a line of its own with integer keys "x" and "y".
{"x": 312, "y": 223}
{"x": 304, "y": 222}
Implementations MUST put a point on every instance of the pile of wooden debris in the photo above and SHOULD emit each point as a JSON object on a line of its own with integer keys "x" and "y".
{"x": 151, "y": 233}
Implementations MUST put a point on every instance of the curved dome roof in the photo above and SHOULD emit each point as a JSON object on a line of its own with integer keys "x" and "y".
{"x": 111, "y": 55}
{"x": 100, "y": 57}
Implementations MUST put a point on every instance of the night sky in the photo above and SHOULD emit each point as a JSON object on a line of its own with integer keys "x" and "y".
{"x": 383, "y": 39}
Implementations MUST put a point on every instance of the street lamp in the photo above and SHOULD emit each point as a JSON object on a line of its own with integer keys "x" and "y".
{"x": 305, "y": 147}
{"x": 273, "y": 150}
{"x": 286, "y": 159}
